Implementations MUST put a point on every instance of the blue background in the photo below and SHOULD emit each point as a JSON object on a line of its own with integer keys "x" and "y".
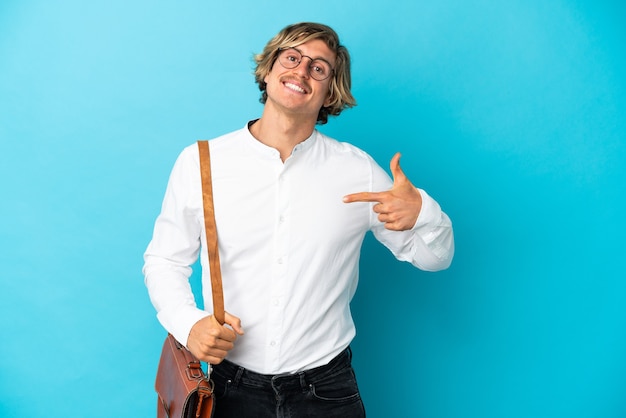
{"x": 510, "y": 113}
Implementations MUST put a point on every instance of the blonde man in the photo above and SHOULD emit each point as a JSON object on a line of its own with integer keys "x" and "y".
{"x": 292, "y": 208}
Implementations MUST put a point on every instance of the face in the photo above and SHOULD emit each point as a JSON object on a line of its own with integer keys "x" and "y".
{"x": 294, "y": 91}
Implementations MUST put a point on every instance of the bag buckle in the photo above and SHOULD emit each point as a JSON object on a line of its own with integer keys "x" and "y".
{"x": 194, "y": 371}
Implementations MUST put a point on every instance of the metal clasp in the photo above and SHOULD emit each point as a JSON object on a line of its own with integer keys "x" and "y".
{"x": 194, "y": 371}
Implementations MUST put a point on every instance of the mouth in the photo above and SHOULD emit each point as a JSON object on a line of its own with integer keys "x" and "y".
{"x": 295, "y": 86}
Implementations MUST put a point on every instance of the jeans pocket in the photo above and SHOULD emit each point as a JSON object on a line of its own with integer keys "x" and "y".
{"x": 340, "y": 388}
{"x": 222, "y": 385}
{"x": 334, "y": 395}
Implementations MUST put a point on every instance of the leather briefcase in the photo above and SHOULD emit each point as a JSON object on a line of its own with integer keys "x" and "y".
{"x": 184, "y": 390}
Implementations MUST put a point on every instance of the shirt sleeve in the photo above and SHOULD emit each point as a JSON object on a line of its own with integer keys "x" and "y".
{"x": 429, "y": 245}
{"x": 174, "y": 247}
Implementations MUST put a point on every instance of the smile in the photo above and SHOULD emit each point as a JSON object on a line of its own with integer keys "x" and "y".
{"x": 294, "y": 87}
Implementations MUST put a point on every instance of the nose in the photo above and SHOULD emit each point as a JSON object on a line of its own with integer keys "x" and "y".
{"x": 303, "y": 67}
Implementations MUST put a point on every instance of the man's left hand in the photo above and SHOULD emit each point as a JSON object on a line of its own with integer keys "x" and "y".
{"x": 397, "y": 208}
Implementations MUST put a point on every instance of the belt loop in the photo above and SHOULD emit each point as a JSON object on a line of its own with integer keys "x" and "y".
{"x": 237, "y": 377}
{"x": 303, "y": 382}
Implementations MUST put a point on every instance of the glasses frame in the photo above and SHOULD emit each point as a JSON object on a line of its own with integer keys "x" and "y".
{"x": 281, "y": 50}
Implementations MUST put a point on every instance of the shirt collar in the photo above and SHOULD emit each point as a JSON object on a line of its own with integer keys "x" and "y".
{"x": 270, "y": 152}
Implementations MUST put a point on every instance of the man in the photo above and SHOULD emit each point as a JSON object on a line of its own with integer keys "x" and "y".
{"x": 292, "y": 207}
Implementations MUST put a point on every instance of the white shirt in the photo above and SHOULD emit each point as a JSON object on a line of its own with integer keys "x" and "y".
{"x": 289, "y": 246}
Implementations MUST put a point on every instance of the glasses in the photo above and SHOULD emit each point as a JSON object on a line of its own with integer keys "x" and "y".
{"x": 319, "y": 68}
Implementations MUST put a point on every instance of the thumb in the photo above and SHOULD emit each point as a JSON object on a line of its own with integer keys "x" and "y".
{"x": 234, "y": 322}
{"x": 396, "y": 171}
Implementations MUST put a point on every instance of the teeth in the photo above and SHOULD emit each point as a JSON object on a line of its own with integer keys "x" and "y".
{"x": 295, "y": 87}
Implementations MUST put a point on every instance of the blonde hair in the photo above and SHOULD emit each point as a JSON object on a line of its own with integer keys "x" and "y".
{"x": 293, "y": 35}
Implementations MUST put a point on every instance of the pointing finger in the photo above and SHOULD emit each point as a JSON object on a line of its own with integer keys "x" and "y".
{"x": 363, "y": 197}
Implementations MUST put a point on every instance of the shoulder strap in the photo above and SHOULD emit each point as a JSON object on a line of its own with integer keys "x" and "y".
{"x": 211, "y": 231}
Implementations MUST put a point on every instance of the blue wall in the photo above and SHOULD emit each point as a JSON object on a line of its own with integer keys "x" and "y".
{"x": 511, "y": 113}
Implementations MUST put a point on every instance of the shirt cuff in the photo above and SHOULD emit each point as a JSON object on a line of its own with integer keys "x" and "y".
{"x": 179, "y": 322}
{"x": 430, "y": 211}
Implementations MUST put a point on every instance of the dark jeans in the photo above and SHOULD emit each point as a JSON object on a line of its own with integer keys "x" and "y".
{"x": 326, "y": 391}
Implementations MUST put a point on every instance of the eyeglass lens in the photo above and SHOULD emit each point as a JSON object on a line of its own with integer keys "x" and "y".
{"x": 319, "y": 69}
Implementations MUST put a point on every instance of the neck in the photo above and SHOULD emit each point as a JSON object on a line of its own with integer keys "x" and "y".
{"x": 282, "y": 132}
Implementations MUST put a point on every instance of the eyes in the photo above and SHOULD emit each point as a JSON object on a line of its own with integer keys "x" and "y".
{"x": 319, "y": 68}
{"x": 292, "y": 56}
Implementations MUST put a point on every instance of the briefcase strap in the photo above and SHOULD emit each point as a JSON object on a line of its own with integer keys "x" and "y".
{"x": 211, "y": 231}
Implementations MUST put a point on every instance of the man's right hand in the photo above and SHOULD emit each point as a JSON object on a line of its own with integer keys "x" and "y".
{"x": 209, "y": 341}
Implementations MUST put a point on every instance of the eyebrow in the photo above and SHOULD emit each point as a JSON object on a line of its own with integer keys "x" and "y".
{"x": 314, "y": 58}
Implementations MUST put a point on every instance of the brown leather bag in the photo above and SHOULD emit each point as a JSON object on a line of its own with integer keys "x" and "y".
{"x": 184, "y": 390}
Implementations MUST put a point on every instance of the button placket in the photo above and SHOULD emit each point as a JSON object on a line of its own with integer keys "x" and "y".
{"x": 280, "y": 266}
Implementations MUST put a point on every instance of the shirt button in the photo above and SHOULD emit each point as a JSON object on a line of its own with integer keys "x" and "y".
{"x": 280, "y": 261}
{"x": 275, "y": 302}
{"x": 273, "y": 343}
{"x": 281, "y": 219}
